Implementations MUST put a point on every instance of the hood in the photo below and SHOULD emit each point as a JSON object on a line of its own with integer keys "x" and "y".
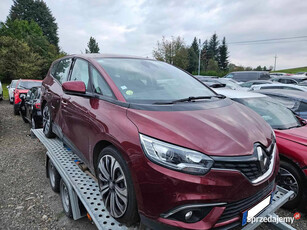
{"x": 227, "y": 130}
{"x": 298, "y": 135}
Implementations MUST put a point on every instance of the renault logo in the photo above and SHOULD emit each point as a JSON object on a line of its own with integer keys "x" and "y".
{"x": 262, "y": 158}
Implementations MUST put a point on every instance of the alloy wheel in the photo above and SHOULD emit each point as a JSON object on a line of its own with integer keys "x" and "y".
{"x": 113, "y": 186}
{"x": 288, "y": 181}
{"x": 46, "y": 119}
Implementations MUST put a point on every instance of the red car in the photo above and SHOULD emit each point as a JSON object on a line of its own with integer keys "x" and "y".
{"x": 291, "y": 139}
{"x": 164, "y": 147}
{"x": 22, "y": 88}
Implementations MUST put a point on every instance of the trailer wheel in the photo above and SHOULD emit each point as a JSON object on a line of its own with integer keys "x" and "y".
{"x": 65, "y": 198}
{"x": 116, "y": 186}
{"x": 54, "y": 177}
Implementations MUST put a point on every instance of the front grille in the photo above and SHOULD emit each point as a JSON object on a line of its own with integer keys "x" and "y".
{"x": 236, "y": 208}
{"x": 250, "y": 169}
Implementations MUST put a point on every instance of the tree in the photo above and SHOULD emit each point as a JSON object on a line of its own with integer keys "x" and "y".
{"x": 39, "y": 12}
{"x": 17, "y": 60}
{"x": 258, "y": 68}
{"x": 223, "y": 56}
{"x": 193, "y": 53}
{"x": 213, "y": 65}
{"x": 31, "y": 34}
{"x": 172, "y": 51}
{"x": 204, "y": 55}
{"x": 92, "y": 46}
{"x": 213, "y": 47}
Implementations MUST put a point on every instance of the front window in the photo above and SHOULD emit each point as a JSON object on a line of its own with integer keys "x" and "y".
{"x": 149, "y": 81}
{"x": 28, "y": 84}
{"x": 277, "y": 115}
{"x": 13, "y": 84}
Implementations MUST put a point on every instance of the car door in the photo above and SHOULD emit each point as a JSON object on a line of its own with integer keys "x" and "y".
{"x": 75, "y": 124}
{"x": 54, "y": 91}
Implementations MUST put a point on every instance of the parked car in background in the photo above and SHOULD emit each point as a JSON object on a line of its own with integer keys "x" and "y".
{"x": 243, "y": 76}
{"x": 22, "y": 88}
{"x": 301, "y": 73}
{"x": 139, "y": 125}
{"x": 248, "y": 84}
{"x": 1, "y": 91}
{"x": 277, "y": 74}
{"x": 222, "y": 82}
{"x": 290, "y": 80}
{"x": 11, "y": 87}
{"x": 30, "y": 108}
{"x": 292, "y": 99}
{"x": 279, "y": 86}
{"x": 291, "y": 139}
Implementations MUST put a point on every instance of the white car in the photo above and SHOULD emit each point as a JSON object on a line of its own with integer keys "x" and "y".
{"x": 1, "y": 92}
{"x": 11, "y": 89}
{"x": 278, "y": 86}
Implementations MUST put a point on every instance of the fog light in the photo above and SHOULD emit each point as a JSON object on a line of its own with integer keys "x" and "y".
{"x": 188, "y": 215}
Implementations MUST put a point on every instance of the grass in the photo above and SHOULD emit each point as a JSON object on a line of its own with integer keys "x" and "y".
{"x": 5, "y": 91}
{"x": 294, "y": 70}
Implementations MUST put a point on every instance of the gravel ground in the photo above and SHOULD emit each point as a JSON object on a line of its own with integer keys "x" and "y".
{"x": 26, "y": 199}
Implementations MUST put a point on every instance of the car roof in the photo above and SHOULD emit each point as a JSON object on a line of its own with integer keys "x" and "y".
{"x": 96, "y": 55}
{"x": 29, "y": 80}
{"x": 298, "y": 95}
{"x": 237, "y": 93}
{"x": 258, "y": 81}
{"x": 250, "y": 72}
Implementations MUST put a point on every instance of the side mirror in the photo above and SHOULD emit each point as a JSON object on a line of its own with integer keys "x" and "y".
{"x": 74, "y": 87}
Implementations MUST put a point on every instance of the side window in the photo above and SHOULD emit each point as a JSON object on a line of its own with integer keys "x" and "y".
{"x": 62, "y": 70}
{"x": 302, "y": 107}
{"x": 100, "y": 85}
{"x": 80, "y": 72}
{"x": 32, "y": 95}
{"x": 229, "y": 76}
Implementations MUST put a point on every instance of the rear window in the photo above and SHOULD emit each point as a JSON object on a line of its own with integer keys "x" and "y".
{"x": 28, "y": 84}
{"x": 245, "y": 76}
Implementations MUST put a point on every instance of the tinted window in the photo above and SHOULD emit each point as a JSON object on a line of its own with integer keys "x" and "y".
{"x": 264, "y": 76}
{"x": 148, "y": 81}
{"x": 80, "y": 72}
{"x": 245, "y": 76}
{"x": 62, "y": 69}
{"x": 100, "y": 85}
{"x": 302, "y": 107}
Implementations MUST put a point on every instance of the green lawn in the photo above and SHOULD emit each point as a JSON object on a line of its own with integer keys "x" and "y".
{"x": 5, "y": 91}
{"x": 294, "y": 70}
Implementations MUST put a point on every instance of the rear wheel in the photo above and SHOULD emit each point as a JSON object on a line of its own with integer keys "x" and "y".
{"x": 65, "y": 198}
{"x": 54, "y": 177}
{"x": 116, "y": 186}
{"x": 290, "y": 179}
{"x": 47, "y": 122}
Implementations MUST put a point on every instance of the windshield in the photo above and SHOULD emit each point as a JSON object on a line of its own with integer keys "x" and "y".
{"x": 28, "y": 84}
{"x": 277, "y": 115}
{"x": 149, "y": 81}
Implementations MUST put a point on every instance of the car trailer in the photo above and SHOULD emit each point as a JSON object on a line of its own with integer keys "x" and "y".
{"x": 80, "y": 192}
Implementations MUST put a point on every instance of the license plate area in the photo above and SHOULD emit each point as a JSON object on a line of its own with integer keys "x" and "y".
{"x": 254, "y": 211}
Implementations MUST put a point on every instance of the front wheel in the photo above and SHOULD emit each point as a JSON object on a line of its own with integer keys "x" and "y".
{"x": 290, "y": 179}
{"x": 47, "y": 122}
{"x": 116, "y": 186}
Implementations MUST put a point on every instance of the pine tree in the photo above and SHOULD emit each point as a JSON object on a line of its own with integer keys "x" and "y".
{"x": 193, "y": 56}
{"x": 92, "y": 46}
{"x": 223, "y": 55}
{"x": 204, "y": 55}
{"x": 213, "y": 47}
{"x": 39, "y": 12}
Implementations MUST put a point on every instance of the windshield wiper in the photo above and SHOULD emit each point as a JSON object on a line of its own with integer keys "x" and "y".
{"x": 192, "y": 98}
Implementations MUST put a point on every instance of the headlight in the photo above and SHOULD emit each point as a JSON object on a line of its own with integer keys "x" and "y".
{"x": 175, "y": 157}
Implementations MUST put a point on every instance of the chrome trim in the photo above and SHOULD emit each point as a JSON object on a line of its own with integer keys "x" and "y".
{"x": 189, "y": 206}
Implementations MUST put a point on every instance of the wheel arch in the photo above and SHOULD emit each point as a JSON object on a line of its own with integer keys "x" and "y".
{"x": 97, "y": 149}
{"x": 295, "y": 165}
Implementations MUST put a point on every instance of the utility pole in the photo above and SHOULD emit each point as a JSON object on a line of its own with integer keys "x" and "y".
{"x": 275, "y": 62}
{"x": 199, "y": 51}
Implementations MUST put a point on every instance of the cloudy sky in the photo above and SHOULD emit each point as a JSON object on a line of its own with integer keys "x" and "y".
{"x": 134, "y": 27}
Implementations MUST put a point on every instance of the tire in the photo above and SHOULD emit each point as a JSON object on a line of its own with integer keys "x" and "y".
{"x": 54, "y": 177}
{"x": 65, "y": 198}
{"x": 33, "y": 124}
{"x": 290, "y": 178}
{"x": 47, "y": 122}
{"x": 16, "y": 112}
{"x": 24, "y": 119}
{"x": 118, "y": 197}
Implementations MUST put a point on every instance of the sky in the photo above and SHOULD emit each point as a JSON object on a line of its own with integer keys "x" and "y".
{"x": 134, "y": 26}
